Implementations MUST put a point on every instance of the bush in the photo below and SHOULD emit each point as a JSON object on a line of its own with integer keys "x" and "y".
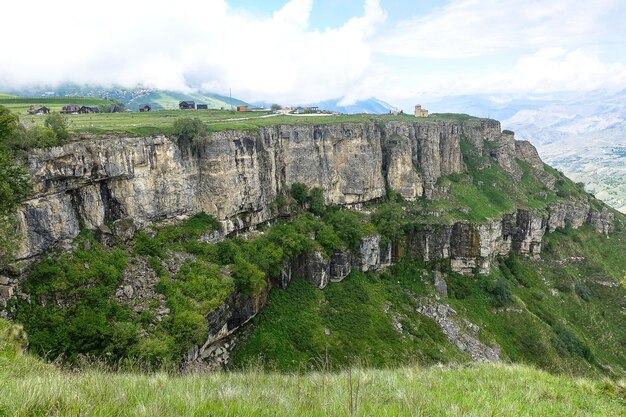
{"x": 299, "y": 192}
{"x": 501, "y": 291}
{"x": 583, "y": 291}
{"x": 316, "y": 202}
{"x": 189, "y": 130}
{"x": 389, "y": 220}
{"x": 565, "y": 342}
{"x": 249, "y": 279}
{"x": 57, "y": 123}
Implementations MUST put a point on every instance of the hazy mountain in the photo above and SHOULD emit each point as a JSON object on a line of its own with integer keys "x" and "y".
{"x": 133, "y": 98}
{"x": 584, "y": 135}
{"x": 369, "y": 106}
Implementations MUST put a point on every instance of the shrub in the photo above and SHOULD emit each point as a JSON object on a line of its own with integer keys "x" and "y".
{"x": 565, "y": 342}
{"x": 189, "y": 130}
{"x": 146, "y": 245}
{"x": 501, "y": 291}
{"x": 248, "y": 277}
{"x": 57, "y": 123}
{"x": 583, "y": 291}
{"x": 299, "y": 192}
{"x": 389, "y": 220}
{"x": 316, "y": 202}
{"x": 13, "y": 338}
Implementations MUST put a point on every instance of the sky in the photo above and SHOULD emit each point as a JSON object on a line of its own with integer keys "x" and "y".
{"x": 303, "y": 51}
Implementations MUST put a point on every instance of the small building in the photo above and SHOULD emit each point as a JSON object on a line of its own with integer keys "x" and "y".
{"x": 242, "y": 108}
{"x": 420, "y": 112}
{"x": 88, "y": 110}
{"x": 145, "y": 108}
{"x": 202, "y": 107}
{"x": 187, "y": 105}
{"x": 70, "y": 108}
{"x": 37, "y": 109}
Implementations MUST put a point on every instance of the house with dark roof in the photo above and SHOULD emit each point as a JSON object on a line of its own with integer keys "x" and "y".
{"x": 70, "y": 108}
{"x": 144, "y": 108}
{"x": 38, "y": 109}
{"x": 202, "y": 107}
{"x": 88, "y": 109}
{"x": 187, "y": 105}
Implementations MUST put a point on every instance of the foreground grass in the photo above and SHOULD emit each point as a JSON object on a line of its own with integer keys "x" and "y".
{"x": 28, "y": 388}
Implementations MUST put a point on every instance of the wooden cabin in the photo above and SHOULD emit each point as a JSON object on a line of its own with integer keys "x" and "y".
{"x": 88, "y": 110}
{"x": 187, "y": 105}
{"x": 70, "y": 108}
{"x": 38, "y": 109}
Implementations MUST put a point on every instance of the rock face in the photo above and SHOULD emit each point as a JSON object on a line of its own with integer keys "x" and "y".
{"x": 472, "y": 247}
{"x": 320, "y": 271}
{"x": 119, "y": 185}
{"x": 223, "y": 322}
{"x": 461, "y": 333}
{"x": 234, "y": 176}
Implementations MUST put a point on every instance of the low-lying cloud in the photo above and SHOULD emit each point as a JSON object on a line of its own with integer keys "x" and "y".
{"x": 181, "y": 46}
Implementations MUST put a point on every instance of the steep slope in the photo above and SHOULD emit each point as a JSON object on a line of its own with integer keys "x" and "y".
{"x": 451, "y": 202}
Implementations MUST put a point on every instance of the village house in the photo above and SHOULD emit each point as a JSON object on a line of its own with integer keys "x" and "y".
{"x": 70, "y": 108}
{"x": 420, "y": 112}
{"x": 202, "y": 107}
{"x": 144, "y": 108}
{"x": 37, "y": 109}
{"x": 187, "y": 105}
{"x": 88, "y": 109}
{"x": 242, "y": 108}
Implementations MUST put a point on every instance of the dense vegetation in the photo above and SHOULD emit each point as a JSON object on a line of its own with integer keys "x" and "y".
{"x": 516, "y": 306}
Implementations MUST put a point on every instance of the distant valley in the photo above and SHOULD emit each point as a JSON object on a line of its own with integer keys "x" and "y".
{"x": 583, "y": 135}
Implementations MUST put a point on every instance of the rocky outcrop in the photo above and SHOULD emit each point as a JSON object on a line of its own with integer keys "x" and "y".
{"x": 314, "y": 268}
{"x": 461, "y": 333}
{"x": 417, "y": 154}
{"x": 471, "y": 247}
{"x": 223, "y": 322}
{"x": 319, "y": 271}
{"x": 601, "y": 220}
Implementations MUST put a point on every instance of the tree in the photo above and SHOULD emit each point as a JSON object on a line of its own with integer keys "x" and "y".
{"x": 9, "y": 123}
{"x": 58, "y": 124}
{"x": 189, "y": 130}
{"x": 276, "y": 107}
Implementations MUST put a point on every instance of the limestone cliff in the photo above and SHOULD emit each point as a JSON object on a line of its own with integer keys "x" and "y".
{"x": 236, "y": 175}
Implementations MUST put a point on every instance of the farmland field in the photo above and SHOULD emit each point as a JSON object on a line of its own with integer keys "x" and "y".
{"x": 161, "y": 121}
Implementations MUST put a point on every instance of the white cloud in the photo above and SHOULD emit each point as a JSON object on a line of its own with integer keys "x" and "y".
{"x": 201, "y": 44}
{"x": 548, "y": 70}
{"x": 467, "y": 28}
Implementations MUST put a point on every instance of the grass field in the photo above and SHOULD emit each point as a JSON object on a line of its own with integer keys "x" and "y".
{"x": 28, "y": 387}
{"x": 160, "y": 122}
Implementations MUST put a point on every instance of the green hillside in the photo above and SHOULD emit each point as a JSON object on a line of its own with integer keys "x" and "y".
{"x": 168, "y": 100}
{"x": 20, "y": 105}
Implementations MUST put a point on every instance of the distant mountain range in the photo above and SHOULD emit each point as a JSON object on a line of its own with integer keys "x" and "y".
{"x": 370, "y": 106}
{"x": 584, "y": 135}
{"x": 133, "y": 98}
